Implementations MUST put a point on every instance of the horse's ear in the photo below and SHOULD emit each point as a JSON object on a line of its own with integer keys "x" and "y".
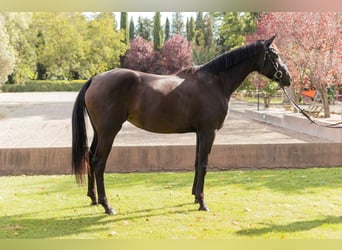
{"x": 270, "y": 41}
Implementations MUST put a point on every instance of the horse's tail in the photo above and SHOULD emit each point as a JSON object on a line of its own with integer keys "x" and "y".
{"x": 79, "y": 135}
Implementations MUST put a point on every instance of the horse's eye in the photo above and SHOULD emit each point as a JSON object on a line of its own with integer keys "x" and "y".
{"x": 275, "y": 56}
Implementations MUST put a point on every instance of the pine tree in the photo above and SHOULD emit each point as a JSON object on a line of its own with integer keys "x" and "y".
{"x": 199, "y": 27}
{"x": 157, "y": 32}
{"x": 131, "y": 29}
{"x": 167, "y": 29}
{"x": 145, "y": 28}
{"x": 177, "y": 23}
{"x": 208, "y": 31}
{"x": 124, "y": 26}
{"x": 190, "y": 29}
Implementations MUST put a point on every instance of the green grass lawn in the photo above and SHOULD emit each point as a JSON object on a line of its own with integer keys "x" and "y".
{"x": 277, "y": 204}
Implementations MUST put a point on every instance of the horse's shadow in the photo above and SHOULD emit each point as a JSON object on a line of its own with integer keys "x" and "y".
{"x": 75, "y": 224}
{"x": 297, "y": 226}
{"x": 154, "y": 212}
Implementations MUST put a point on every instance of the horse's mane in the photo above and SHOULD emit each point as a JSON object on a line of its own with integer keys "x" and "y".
{"x": 188, "y": 72}
{"x": 224, "y": 61}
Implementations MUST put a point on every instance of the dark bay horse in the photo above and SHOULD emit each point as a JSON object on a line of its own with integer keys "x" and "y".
{"x": 193, "y": 100}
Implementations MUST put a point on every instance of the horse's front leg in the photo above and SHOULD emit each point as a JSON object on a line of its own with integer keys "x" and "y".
{"x": 206, "y": 139}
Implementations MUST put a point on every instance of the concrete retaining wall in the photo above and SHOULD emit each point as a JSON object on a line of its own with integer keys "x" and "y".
{"x": 43, "y": 161}
{"x": 299, "y": 124}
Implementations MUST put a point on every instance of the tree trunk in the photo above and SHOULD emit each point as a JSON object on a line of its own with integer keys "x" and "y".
{"x": 267, "y": 100}
{"x": 325, "y": 101}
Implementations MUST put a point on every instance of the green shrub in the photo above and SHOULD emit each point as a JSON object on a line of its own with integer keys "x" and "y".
{"x": 44, "y": 85}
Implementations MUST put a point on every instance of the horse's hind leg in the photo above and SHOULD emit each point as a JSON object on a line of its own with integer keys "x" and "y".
{"x": 99, "y": 159}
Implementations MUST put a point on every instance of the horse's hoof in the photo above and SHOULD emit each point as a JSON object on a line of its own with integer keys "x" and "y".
{"x": 110, "y": 211}
{"x": 93, "y": 203}
{"x": 204, "y": 208}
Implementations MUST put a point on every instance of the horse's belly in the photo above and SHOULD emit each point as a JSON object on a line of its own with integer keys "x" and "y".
{"x": 161, "y": 124}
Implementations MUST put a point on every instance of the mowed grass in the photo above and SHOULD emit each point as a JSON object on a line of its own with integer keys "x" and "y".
{"x": 276, "y": 204}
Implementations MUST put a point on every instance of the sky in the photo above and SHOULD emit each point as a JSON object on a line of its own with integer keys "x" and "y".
{"x": 136, "y": 15}
{"x": 150, "y": 15}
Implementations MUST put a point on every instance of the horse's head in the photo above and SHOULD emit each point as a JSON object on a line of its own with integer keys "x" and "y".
{"x": 272, "y": 66}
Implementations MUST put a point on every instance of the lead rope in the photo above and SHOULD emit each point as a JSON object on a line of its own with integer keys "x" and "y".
{"x": 302, "y": 111}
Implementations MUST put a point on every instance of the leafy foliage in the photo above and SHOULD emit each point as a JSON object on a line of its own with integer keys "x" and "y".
{"x": 7, "y": 56}
{"x": 22, "y": 40}
{"x": 235, "y": 25}
{"x": 140, "y": 55}
{"x": 177, "y": 24}
{"x": 70, "y": 47}
{"x": 176, "y": 54}
{"x": 44, "y": 85}
{"x": 311, "y": 44}
{"x": 145, "y": 28}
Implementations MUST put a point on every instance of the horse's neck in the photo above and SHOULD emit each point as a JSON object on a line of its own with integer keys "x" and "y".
{"x": 235, "y": 76}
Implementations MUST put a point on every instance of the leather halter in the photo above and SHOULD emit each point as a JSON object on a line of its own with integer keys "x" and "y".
{"x": 278, "y": 75}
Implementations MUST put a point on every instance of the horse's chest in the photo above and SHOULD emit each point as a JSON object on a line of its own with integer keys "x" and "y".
{"x": 216, "y": 113}
{"x": 221, "y": 119}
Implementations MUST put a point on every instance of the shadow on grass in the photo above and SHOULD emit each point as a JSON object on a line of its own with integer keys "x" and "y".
{"x": 26, "y": 226}
{"x": 297, "y": 226}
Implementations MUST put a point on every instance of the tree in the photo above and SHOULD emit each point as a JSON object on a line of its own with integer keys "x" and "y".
{"x": 199, "y": 27}
{"x": 176, "y": 54}
{"x": 106, "y": 44}
{"x": 208, "y": 31}
{"x": 261, "y": 83}
{"x": 69, "y": 46}
{"x": 167, "y": 29}
{"x": 310, "y": 44}
{"x": 140, "y": 56}
{"x": 204, "y": 48}
{"x": 131, "y": 29}
{"x": 22, "y": 41}
{"x": 190, "y": 29}
{"x": 124, "y": 26}
{"x": 177, "y": 26}
{"x": 157, "y": 32}
{"x": 234, "y": 27}
{"x": 61, "y": 46}
{"x": 7, "y": 58}
{"x": 145, "y": 28}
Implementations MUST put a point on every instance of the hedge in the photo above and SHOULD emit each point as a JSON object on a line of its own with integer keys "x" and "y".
{"x": 44, "y": 85}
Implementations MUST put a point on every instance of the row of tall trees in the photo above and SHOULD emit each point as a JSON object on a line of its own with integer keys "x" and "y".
{"x": 199, "y": 38}
{"x": 66, "y": 45}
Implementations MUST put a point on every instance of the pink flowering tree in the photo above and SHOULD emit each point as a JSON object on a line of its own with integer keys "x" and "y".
{"x": 176, "y": 54}
{"x": 140, "y": 56}
{"x": 310, "y": 44}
